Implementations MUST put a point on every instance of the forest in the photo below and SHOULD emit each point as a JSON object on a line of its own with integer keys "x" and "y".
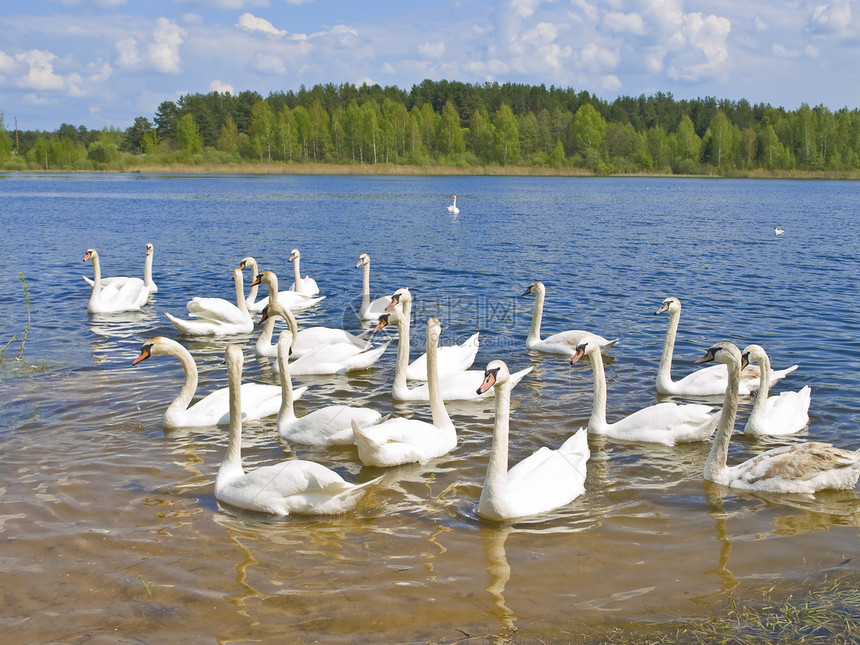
{"x": 456, "y": 126}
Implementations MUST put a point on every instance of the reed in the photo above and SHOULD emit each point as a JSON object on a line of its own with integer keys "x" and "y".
{"x": 27, "y": 326}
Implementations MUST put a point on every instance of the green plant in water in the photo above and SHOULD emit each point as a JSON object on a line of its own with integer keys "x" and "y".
{"x": 26, "y": 328}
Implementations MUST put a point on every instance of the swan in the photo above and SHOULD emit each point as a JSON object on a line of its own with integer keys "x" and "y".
{"x": 709, "y": 381}
{"x": 369, "y": 309}
{"x": 563, "y": 342}
{"x": 667, "y": 423}
{"x": 543, "y": 481}
{"x": 453, "y": 207}
{"x": 455, "y": 386}
{"x": 292, "y": 300}
{"x": 327, "y": 426}
{"x": 147, "y": 273}
{"x": 403, "y": 441}
{"x": 776, "y": 415}
{"x": 450, "y": 358}
{"x": 216, "y": 316}
{"x": 296, "y": 487}
{"x": 798, "y": 468}
{"x": 128, "y": 294}
{"x": 306, "y": 285}
{"x": 305, "y": 341}
{"x": 778, "y": 230}
{"x": 258, "y": 400}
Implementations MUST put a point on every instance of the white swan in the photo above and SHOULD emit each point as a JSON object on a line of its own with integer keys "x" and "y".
{"x": 305, "y": 341}
{"x": 778, "y": 230}
{"x": 369, "y": 309}
{"x": 775, "y": 415}
{"x": 563, "y": 342}
{"x": 129, "y": 294}
{"x": 709, "y": 381}
{"x": 327, "y": 426}
{"x": 667, "y": 423}
{"x": 258, "y": 400}
{"x": 798, "y": 468}
{"x": 147, "y": 273}
{"x": 292, "y": 300}
{"x": 295, "y": 487}
{"x": 306, "y": 285}
{"x": 455, "y": 386}
{"x": 216, "y": 316}
{"x": 545, "y": 480}
{"x": 450, "y": 358}
{"x": 402, "y": 441}
{"x": 452, "y": 208}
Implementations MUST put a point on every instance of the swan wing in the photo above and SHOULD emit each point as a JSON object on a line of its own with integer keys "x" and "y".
{"x": 449, "y": 358}
{"x": 402, "y": 441}
{"x": 328, "y": 426}
{"x": 258, "y": 401}
{"x": 667, "y": 423}
{"x": 215, "y": 310}
{"x": 799, "y": 468}
{"x": 312, "y": 339}
{"x": 784, "y": 414}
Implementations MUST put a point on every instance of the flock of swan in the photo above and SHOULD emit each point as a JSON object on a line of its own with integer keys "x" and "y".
{"x": 544, "y": 481}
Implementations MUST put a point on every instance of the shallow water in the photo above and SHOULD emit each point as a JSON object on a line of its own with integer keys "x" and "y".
{"x": 109, "y": 526}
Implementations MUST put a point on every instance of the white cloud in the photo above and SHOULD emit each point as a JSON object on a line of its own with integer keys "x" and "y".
{"x": 270, "y": 64}
{"x": 40, "y": 74}
{"x": 432, "y": 50}
{"x": 221, "y": 87}
{"x": 127, "y": 52}
{"x": 630, "y": 23}
{"x": 163, "y": 51}
{"x": 253, "y": 23}
{"x": 833, "y": 19}
{"x": 598, "y": 59}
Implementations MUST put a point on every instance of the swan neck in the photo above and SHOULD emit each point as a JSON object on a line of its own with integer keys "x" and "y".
{"x": 597, "y": 423}
{"x": 286, "y": 409}
{"x": 718, "y": 456}
{"x": 97, "y": 273}
{"x": 296, "y": 272}
{"x": 147, "y": 270}
{"x": 664, "y": 371}
{"x": 497, "y": 467}
{"x": 234, "y": 447}
{"x": 437, "y": 406}
{"x": 763, "y": 388}
{"x": 189, "y": 387}
{"x": 264, "y": 340}
{"x": 252, "y": 293}
{"x": 365, "y": 283}
{"x": 240, "y": 293}
{"x": 402, "y": 362}
{"x": 537, "y": 318}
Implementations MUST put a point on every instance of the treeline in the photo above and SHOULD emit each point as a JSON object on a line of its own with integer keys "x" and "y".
{"x": 461, "y": 125}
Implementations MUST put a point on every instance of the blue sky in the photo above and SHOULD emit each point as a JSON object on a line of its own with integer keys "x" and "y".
{"x": 102, "y": 63}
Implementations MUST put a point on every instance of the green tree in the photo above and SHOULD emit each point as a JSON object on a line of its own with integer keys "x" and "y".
{"x": 228, "y": 140}
{"x": 481, "y": 136}
{"x": 132, "y": 140}
{"x": 449, "y": 140}
{"x": 588, "y": 131}
{"x": 189, "y": 137}
{"x": 719, "y": 142}
{"x": 507, "y": 136}
{"x": 262, "y": 130}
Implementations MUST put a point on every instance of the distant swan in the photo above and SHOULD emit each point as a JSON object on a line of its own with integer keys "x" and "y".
{"x": 399, "y": 440}
{"x": 306, "y": 285}
{"x": 709, "y": 381}
{"x": 327, "y": 426}
{"x": 216, "y": 316}
{"x": 563, "y": 342}
{"x": 369, "y": 309}
{"x": 545, "y": 480}
{"x": 798, "y": 468}
{"x": 147, "y": 273}
{"x": 259, "y": 400}
{"x": 295, "y": 487}
{"x": 127, "y": 294}
{"x": 292, "y": 300}
{"x": 778, "y": 230}
{"x": 775, "y": 415}
{"x": 667, "y": 423}
{"x": 452, "y": 208}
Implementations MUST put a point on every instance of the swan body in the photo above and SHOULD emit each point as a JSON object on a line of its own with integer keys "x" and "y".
{"x": 307, "y": 285}
{"x": 369, "y": 309}
{"x": 292, "y": 300}
{"x": 402, "y": 441}
{"x": 545, "y": 480}
{"x": 454, "y": 386}
{"x": 125, "y": 294}
{"x": 296, "y": 487}
{"x": 147, "y": 273}
{"x": 666, "y": 423}
{"x": 563, "y": 342}
{"x": 216, "y": 316}
{"x": 327, "y": 426}
{"x": 305, "y": 341}
{"x": 449, "y": 359}
{"x": 778, "y": 230}
{"x": 785, "y": 414}
{"x": 452, "y": 208}
{"x": 709, "y": 381}
{"x": 258, "y": 400}
{"x": 321, "y": 357}
{"x": 798, "y": 468}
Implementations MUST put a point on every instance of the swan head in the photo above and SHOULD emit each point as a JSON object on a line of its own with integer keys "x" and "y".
{"x": 670, "y": 304}
{"x": 90, "y": 254}
{"x": 392, "y": 316}
{"x": 234, "y": 357}
{"x": 273, "y": 309}
{"x": 363, "y": 259}
{"x": 588, "y": 345}
{"x": 725, "y": 352}
{"x": 399, "y": 297}
{"x": 496, "y": 373}
{"x": 154, "y": 347}
{"x": 250, "y": 263}
{"x": 266, "y": 277}
{"x": 534, "y": 289}
{"x": 150, "y": 249}
{"x": 434, "y": 328}
{"x": 295, "y": 255}
{"x": 752, "y": 354}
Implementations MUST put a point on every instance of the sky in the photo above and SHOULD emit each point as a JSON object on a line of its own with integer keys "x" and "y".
{"x": 102, "y": 63}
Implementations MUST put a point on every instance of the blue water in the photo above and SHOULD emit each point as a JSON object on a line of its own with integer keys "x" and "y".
{"x": 85, "y": 458}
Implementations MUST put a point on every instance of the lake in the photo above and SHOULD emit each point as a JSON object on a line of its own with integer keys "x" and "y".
{"x": 110, "y": 529}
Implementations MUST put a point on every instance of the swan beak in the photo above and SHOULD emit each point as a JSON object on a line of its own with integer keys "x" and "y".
{"x": 663, "y": 307}
{"x": 242, "y": 265}
{"x": 144, "y": 354}
{"x": 88, "y": 255}
{"x": 745, "y": 360}
{"x": 395, "y": 300}
{"x": 257, "y": 280}
{"x": 709, "y": 356}
{"x": 358, "y": 264}
{"x": 580, "y": 351}
{"x": 488, "y": 382}
{"x": 264, "y": 314}
{"x": 383, "y": 320}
